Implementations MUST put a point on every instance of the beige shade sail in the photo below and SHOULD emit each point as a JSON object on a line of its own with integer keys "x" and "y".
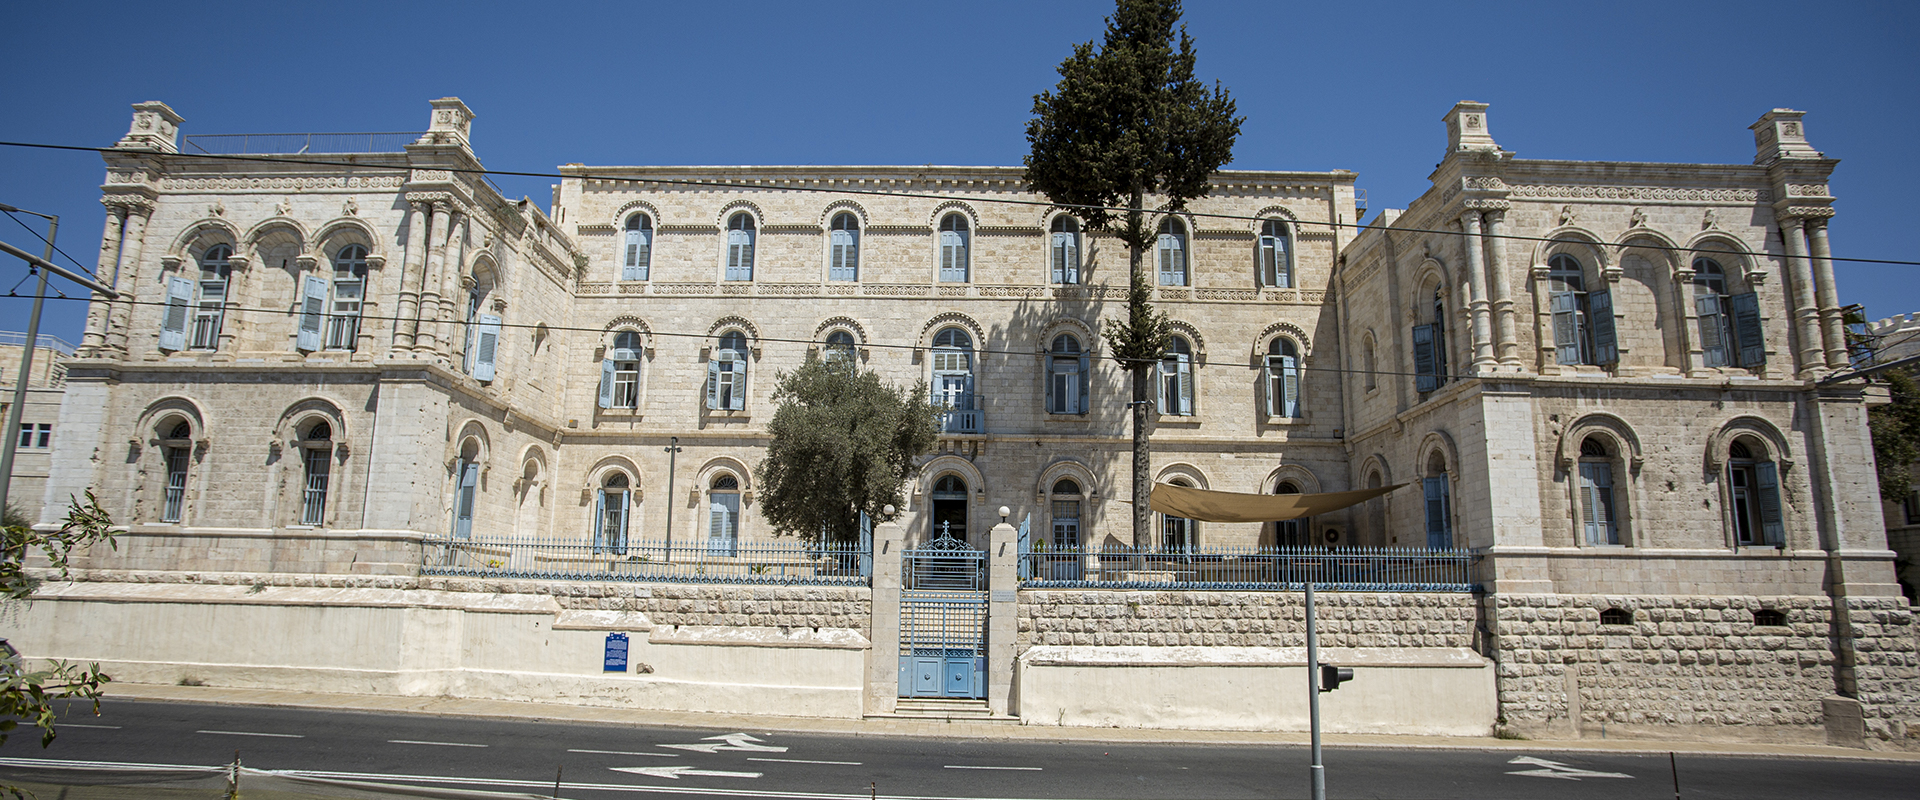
{"x": 1210, "y": 506}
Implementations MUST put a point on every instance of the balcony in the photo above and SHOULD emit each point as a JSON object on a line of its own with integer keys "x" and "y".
{"x": 961, "y": 414}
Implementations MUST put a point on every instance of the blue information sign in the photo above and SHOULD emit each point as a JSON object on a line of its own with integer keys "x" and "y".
{"x": 616, "y": 652}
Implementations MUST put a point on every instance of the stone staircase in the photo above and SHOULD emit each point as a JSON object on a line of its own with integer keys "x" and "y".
{"x": 945, "y": 708}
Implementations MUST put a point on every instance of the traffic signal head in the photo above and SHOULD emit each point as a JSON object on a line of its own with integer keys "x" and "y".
{"x": 1331, "y": 676}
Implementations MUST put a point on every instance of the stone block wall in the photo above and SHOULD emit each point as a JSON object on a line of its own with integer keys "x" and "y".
{"x": 1886, "y": 645}
{"x": 1243, "y": 619}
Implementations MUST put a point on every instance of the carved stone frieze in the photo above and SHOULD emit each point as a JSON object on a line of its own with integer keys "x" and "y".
{"x": 1807, "y": 212}
{"x": 1641, "y": 193}
{"x": 1807, "y": 190}
{"x": 282, "y": 183}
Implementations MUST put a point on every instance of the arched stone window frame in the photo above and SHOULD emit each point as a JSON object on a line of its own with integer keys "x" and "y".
{"x": 844, "y": 246}
{"x": 955, "y": 228}
{"x": 530, "y": 491}
{"x": 948, "y": 385}
{"x": 1173, "y": 251}
{"x": 1624, "y": 458}
{"x": 1598, "y": 272}
{"x": 1088, "y": 498}
{"x": 1438, "y": 465}
{"x": 613, "y": 494}
{"x": 185, "y": 288}
{"x": 1667, "y": 313}
{"x": 626, "y": 345}
{"x": 1375, "y": 472}
{"x": 297, "y": 454}
{"x": 162, "y": 459}
{"x": 1433, "y": 340}
{"x": 1066, "y": 250}
{"x": 1180, "y": 474}
{"x": 1745, "y": 280}
{"x": 1068, "y": 369}
{"x": 481, "y": 343}
{"x": 1275, "y": 273}
{"x": 740, "y": 224}
{"x": 1269, "y": 356}
{"x": 468, "y": 465}
{"x": 1304, "y": 481}
{"x": 714, "y": 476}
{"x": 846, "y": 327}
{"x": 732, "y": 347}
{"x": 1370, "y": 362}
{"x": 1767, "y": 445}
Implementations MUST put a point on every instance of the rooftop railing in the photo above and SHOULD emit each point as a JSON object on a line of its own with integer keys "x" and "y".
{"x": 54, "y": 343}
{"x": 235, "y": 144}
{"x": 1353, "y": 569}
{"x": 648, "y": 561}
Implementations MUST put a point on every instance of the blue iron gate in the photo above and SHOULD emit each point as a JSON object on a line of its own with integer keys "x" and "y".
{"x": 943, "y": 621}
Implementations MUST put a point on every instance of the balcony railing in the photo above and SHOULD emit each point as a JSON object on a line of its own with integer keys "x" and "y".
{"x": 234, "y": 144}
{"x": 1353, "y": 569}
{"x": 961, "y": 415}
{"x": 649, "y": 561}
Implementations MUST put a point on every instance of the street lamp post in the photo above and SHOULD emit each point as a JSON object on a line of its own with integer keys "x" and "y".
{"x": 673, "y": 452}
{"x": 26, "y": 361}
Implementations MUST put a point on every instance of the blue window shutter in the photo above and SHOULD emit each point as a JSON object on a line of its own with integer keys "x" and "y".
{"x": 1566, "y": 327}
{"x": 486, "y": 347}
{"x": 1025, "y": 546}
{"x": 313, "y": 307}
{"x": 1606, "y": 345}
{"x": 1290, "y": 387}
{"x": 1185, "y": 373}
{"x": 1059, "y": 258}
{"x": 713, "y": 383}
{"x": 1439, "y": 537}
{"x": 1426, "y": 377}
{"x": 1749, "y": 338}
{"x": 1596, "y": 500}
{"x": 173, "y": 324}
{"x": 600, "y": 521}
{"x": 1713, "y": 330}
{"x": 638, "y": 255}
{"x": 739, "y": 377}
{"x": 606, "y": 383}
{"x": 1086, "y": 380}
{"x": 464, "y": 498}
{"x": 844, "y": 258}
{"x": 1771, "y": 525}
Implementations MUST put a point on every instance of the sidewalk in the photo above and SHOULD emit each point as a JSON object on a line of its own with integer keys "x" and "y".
{"x": 958, "y": 729}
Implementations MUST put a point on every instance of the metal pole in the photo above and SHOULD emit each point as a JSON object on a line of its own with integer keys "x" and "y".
{"x": 673, "y": 455}
{"x": 26, "y": 368}
{"x": 1318, "y": 772}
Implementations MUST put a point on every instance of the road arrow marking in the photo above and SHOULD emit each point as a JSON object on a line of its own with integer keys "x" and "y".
{"x": 1557, "y": 770}
{"x": 731, "y": 741}
{"x": 676, "y": 772}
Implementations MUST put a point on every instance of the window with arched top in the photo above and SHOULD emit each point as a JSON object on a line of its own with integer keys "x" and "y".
{"x": 1598, "y": 509}
{"x": 349, "y": 290}
{"x": 210, "y": 301}
{"x": 620, "y": 372}
{"x": 1430, "y": 346}
{"x": 176, "y": 443}
{"x": 1753, "y": 495}
{"x": 723, "y": 515}
{"x": 1176, "y": 378}
{"x": 611, "y": 509}
{"x": 1292, "y": 532}
{"x": 843, "y": 247}
{"x": 741, "y": 233}
{"x": 840, "y": 348}
{"x": 1729, "y": 324}
{"x": 727, "y": 373}
{"x": 1064, "y": 251}
{"x": 1583, "y": 331}
{"x": 317, "y": 460}
{"x": 1178, "y": 534}
{"x": 466, "y": 488}
{"x": 1065, "y": 511}
{"x": 1171, "y": 249}
{"x": 954, "y": 241}
{"x": 953, "y": 379}
{"x": 636, "y": 250}
{"x": 1275, "y": 255}
{"x": 482, "y": 345}
{"x": 1439, "y": 502}
{"x": 1067, "y": 376}
{"x": 1283, "y": 379}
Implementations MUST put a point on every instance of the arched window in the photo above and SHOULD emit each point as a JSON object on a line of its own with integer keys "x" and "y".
{"x": 1430, "y": 347}
{"x": 1583, "y": 330}
{"x": 1178, "y": 534}
{"x": 1439, "y": 502}
{"x": 636, "y": 253}
{"x": 953, "y": 380}
{"x": 740, "y": 236}
{"x": 1065, "y": 251}
{"x": 1293, "y": 532}
{"x": 1176, "y": 378}
{"x": 482, "y": 345}
{"x": 317, "y": 447}
{"x": 949, "y": 518}
{"x": 1275, "y": 256}
{"x": 727, "y": 374}
{"x": 1718, "y": 347}
{"x": 840, "y": 348}
{"x": 1064, "y": 563}
{"x": 843, "y": 248}
{"x": 610, "y": 515}
{"x": 620, "y": 372}
{"x": 1172, "y": 250}
{"x": 1597, "y": 504}
{"x": 1370, "y": 363}
{"x": 466, "y": 489}
{"x": 723, "y": 516}
{"x": 349, "y": 288}
{"x": 953, "y": 248}
{"x": 211, "y": 301}
{"x": 1753, "y": 487}
{"x": 1283, "y": 379}
{"x": 176, "y": 443}
{"x": 1067, "y": 378}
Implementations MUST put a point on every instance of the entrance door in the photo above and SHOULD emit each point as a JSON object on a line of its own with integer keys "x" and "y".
{"x": 943, "y": 621}
{"x": 949, "y": 509}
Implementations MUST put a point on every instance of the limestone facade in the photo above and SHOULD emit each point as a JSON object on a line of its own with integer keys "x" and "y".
{"x": 46, "y": 382}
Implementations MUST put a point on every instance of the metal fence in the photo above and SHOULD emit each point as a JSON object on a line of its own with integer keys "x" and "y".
{"x": 233, "y": 144}
{"x": 1354, "y": 569}
{"x": 646, "y": 561}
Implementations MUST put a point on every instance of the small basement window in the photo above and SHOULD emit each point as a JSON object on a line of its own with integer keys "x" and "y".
{"x": 1768, "y": 616}
{"x": 1616, "y": 616}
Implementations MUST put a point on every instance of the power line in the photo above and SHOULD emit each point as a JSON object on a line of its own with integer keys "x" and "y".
{"x": 888, "y": 193}
{"x": 56, "y": 248}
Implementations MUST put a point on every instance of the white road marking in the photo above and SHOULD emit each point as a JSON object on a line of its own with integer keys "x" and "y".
{"x": 804, "y": 761}
{"x": 435, "y": 744}
{"x": 676, "y": 772}
{"x": 251, "y": 733}
{"x": 97, "y": 727}
{"x": 625, "y": 753}
{"x": 1559, "y": 771}
{"x": 730, "y": 741}
{"x": 966, "y": 766}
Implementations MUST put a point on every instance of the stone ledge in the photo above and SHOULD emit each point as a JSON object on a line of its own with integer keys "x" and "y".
{"x": 827, "y": 639}
{"x": 1188, "y": 656}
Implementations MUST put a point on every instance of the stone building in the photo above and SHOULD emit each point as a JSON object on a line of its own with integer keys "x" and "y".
{"x": 46, "y": 383}
{"x": 1896, "y": 338}
{"x": 1599, "y": 376}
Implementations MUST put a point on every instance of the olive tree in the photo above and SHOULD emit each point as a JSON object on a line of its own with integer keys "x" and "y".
{"x": 842, "y": 443}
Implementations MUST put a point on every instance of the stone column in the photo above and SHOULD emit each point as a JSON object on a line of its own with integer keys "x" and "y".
{"x": 1545, "y": 358}
{"x": 1508, "y": 344}
{"x": 98, "y": 307}
{"x": 1003, "y": 609}
{"x": 134, "y": 239}
{"x": 1833, "y": 333}
{"x": 419, "y": 222}
{"x": 240, "y": 294}
{"x": 883, "y": 650}
{"x": 1477, "y": 292}
{"x": 427, "y": 337}
{"x": 1806, "y": 315}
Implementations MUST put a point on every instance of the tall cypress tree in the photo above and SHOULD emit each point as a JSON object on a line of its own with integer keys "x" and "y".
{"x": 1129, "y": 123}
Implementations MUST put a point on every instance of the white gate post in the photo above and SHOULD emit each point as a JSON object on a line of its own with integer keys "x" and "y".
{"x": 883, "y": 653}
{"x": 1003, "y": 584}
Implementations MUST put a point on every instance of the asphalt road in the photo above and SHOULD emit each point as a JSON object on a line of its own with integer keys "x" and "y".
{"x": 602, "y": 761}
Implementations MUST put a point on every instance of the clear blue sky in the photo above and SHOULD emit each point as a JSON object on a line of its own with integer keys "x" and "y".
{"x": 1358, "y": 86}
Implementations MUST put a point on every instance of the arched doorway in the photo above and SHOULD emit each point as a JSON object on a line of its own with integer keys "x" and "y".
{"x": 1293, "y": 532}
{"x": 949, "y": 498}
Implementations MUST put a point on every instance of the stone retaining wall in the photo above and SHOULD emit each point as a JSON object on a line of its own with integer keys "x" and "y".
{"x": 1243, "y": 619}
{"x": 1886, "y": 645}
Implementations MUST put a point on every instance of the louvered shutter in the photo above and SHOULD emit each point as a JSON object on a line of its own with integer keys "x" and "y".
{"x": 739, "y": 255}
{"x": 1025, "y": 547}
{"x": 313, "y": 308}
{"x": 1749, "y": 339}
{"x": 953, "y": 256}
{"x": 1771, "y": 526}
{"x": 606, "y": 383}
{"x": 173, "y": 322}
{"x": 1185, "y": 372}
{"x": 463, "y": 502}
{"x": 1713, "y": 330}
{"x": 639, "y": 247}
{"x": 1086, "y": 380}
{"x": 738, "y": 379}
{"x": 1163, "y": 390}
{"x": 1438, "y": 535}
{"x": 1566, "y": 327}
{"x": 1606, "y": 345}
{"x": 1426, "y": 378}
{"x": 1289, "y": 387}
{"x": 1596, "y": 499}
{"x": 600, "y": 521}
{"x": 844, "y": 260}
{"x": 486, "y": 347}
{"x": 713, "y": 384}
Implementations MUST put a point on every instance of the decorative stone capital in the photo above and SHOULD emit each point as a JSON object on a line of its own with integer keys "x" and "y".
{"x": 1780, "y": 134}
{"x": 1467, "y": 128}
{"x": 155, "y": 127}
